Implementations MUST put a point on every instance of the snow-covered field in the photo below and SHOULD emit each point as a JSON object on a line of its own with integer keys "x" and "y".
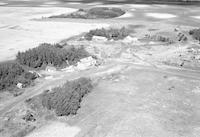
{"x": 19, "y": 32}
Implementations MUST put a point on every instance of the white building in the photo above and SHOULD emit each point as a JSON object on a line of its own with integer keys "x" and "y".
{"x": 86, "y": 63}
{"x": 99, "y": 38}
{"x": 20, "y": 85}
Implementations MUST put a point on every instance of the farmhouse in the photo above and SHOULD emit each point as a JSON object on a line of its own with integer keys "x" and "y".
{"x": 99, "y": 38}
{"x": 86, "y": 63}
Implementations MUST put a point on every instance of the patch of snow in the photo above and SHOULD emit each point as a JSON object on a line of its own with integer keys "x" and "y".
{"x": 196, "y": 90}
{"x": 152, "y": 42}
{"x": 99, "y": 38}
{"x": 56, "y": 129}
{"x": 110, "y": 6}
{"x": 130, "y": 39}
{"x": 3, "y": 3}
{"x": 69, "y": 69}
{"x": 86, "y": 63}
{"x": 52, "y": 3}
{"x": 45, "y": 5}
{"x": 94, "y": 3}
{"x": 139, "y": 6}
{"x": 132, "y": 9}
{"x": 49, "y": 77}
{"x": 196, "y": 17}
{"x": 73, "y": 3}
{"x": 161, "y": 15}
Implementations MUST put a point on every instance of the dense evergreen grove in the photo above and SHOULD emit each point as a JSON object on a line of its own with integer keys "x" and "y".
{"x": 66, "y": 100}
{"x": 112, "y": 33}
{"x": 50, "y": 54}
{"x": 12, "y": 73}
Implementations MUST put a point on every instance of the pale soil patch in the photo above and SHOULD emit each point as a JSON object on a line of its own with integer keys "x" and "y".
{"x": 161, "y": 15}
{"x": 56, "y": 129}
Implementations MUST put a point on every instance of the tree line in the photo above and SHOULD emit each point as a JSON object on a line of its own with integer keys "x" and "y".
{"x": 12, "y": 73}
{"x": 51, "y": 54}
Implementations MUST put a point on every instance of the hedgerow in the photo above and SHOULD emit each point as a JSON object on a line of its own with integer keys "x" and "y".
{"x": 65, "y": 100}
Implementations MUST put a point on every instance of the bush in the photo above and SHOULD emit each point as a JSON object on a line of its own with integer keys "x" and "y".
{"x": 12, "y": 73}
{"x": 66, "y": 100}
{"x": 195, "y": 34}
{"x": 50, "y": 54}
{"x": 115, "y": 34}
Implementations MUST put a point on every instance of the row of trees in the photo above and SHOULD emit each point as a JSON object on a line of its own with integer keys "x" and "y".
{"x": 66, "y": 100}
{"x": 112, "y": 33}
{"x": 50, "y": 54}
{"x": 12, "y": 73}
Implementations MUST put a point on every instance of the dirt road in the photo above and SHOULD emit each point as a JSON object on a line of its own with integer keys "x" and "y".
{"x": 109, "y": 68}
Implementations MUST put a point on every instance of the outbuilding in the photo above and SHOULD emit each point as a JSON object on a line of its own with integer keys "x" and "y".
{"x": 20, "y": 85}
{"x": 99, "y": 38}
